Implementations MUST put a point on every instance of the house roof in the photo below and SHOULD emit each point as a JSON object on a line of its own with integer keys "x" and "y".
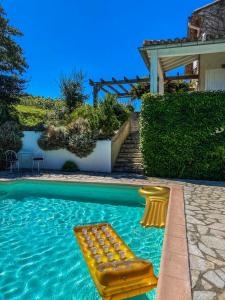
{"x": 206, "y": 6}
{"x": 181, "y": 52}
{"x": 147, "y": 43}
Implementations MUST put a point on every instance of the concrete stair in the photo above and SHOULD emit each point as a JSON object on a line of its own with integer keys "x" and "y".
{"x": 129, "y": 159}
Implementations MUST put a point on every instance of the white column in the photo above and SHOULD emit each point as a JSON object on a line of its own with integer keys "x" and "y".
{"x": 154, "y": 72}
{"x": 161, "y": 78}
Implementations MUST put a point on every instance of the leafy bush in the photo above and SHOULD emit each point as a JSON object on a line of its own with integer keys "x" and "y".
{"x": 87, "y": 112}
{"x": 84, "y": 126}
{"x": 82, "y": 138}
{"x": 183, "y": 135}
{"x": 10, "y": 136}
{"x": 53, "y": 138}
{"x": 108, "y": 120}
{"x": 177, "y": 86}
{"x": 122, "y": 112}
{"x": 70, "y": 166}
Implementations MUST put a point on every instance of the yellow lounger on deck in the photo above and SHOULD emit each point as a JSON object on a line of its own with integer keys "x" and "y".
{"x": 116, "y": 271}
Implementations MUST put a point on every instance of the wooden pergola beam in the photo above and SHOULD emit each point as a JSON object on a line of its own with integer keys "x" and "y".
{"x": 104, "y": 90}
{"x": 182, "y": 77}
{"x": 121, "y": 86}
{"x": 130, "y": 83}
{"x": 122, "y": 81}
{"x": 113, "y": 89}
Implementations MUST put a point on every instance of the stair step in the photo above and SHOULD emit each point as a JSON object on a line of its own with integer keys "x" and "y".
{"x": 130, "y": 158}
{"x": 131, "y": 155}
{"x": 130, "y": 150}
{"x": 129, "y": 166}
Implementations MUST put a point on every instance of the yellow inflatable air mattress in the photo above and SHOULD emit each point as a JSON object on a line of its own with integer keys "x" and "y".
{"x": 116, "y": 271}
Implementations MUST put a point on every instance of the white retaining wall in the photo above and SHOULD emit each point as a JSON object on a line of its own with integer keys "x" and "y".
{"x": 98, "y": 161}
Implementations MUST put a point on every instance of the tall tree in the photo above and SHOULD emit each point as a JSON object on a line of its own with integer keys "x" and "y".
{"x": 12, "y": 67}
{"x": 72, "y": 90}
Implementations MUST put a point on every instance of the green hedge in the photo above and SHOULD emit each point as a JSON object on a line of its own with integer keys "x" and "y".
{"x": 182, "y": 135}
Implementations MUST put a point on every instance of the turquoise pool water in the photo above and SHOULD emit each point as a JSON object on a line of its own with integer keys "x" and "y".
{"x": 39, "y": 256}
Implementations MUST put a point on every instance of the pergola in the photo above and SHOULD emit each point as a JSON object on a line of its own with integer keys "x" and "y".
{"x": 122, "y": 87}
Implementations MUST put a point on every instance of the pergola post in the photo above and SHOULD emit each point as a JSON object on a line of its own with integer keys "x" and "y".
{"x": 95, "y": 94}
{"x": 154, "y": 72}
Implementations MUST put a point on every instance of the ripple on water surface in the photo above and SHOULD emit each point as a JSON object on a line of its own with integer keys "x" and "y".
{"x": 39, "y": 256}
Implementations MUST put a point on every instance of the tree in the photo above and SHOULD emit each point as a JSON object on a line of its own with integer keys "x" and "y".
{"x": 107, "y": 118}
{"x": 12, "y": 66}
{"x": 72, "y": 89}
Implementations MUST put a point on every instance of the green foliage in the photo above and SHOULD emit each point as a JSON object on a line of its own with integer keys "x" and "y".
{"x": 182, "y": 135}
{"x": 177, "y": 86}
{"x": 111, "y": 116}
{"x": 31, "y": 117}
{"x": 130, "y": 108}
{"x": 53, "y": 138}
{"x": 70, "y": 166}
{"x": 12, "y": 66}
{"x": 72, "y": 89}
{"x": 171, "y": 87}
{"x": 10, "y": 136}
{"x": 87, "y": 112}
{"x": 84, "y": 126}
{"x": 42, "y": 102}
{"x": 37, "y": 113}
{"x": 82, "y": 138}
{"x": 139, "y": 89}
{"x": 122, "y": 112}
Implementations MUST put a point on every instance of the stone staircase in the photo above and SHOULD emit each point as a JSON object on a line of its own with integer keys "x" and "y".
{"x": 129, "y": 159}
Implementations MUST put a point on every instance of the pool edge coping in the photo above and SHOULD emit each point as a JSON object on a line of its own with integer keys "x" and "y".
{"x": 174, "y": 274}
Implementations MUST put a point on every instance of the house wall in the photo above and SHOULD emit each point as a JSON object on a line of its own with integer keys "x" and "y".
{"x": 210, "y": 20}
{"x": 209, "y": 62}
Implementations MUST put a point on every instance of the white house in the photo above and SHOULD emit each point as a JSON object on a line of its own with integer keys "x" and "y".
{"x": 204, "y": 48}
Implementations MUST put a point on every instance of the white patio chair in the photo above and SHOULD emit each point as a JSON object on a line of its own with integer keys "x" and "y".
{"x": 12, "y": 160}
{"x": 38, "y": 159}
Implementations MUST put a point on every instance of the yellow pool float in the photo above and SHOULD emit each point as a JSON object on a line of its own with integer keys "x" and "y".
{"x": 157, "y": 199}
{"x": 116, "y": 271}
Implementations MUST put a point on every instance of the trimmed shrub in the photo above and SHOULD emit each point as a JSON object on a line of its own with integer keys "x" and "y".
{"x": 70, "y": 166}
{"x": 10, "y": 136}
{"x": 53, "y": 138}
{"x": 183, "y": 135}
{"x": 108, "y": 121}
{"x": 82, "y": 138}
{"x": 87, "y": 112}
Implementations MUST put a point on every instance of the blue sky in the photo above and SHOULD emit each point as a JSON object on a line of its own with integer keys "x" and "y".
{"x": 100, "y": 37}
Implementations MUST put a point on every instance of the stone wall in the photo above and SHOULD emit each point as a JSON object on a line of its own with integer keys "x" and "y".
{"x": 210, "y": 20}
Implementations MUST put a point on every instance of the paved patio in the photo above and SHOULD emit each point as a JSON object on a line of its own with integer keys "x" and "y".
{"x": 205, "y": 217}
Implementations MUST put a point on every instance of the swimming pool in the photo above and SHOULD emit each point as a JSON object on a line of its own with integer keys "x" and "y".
{"x": 39, "y": 256}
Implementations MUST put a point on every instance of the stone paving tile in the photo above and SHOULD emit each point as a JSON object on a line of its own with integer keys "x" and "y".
{"x": 205, "y": 217}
